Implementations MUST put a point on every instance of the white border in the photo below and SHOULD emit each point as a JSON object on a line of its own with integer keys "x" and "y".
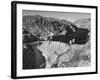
{"x": 35, "y": 72}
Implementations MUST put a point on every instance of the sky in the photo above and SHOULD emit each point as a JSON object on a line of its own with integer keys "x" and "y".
{"x": 69, "y": 16}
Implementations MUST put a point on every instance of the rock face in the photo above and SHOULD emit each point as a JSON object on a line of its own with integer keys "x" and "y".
{"x": 41, "y": 26}
{"x": 32, "y": 58}
{"x": 50, "y": 42}
{"x": 62, "y": 30}
{"x": 75, "y": 56}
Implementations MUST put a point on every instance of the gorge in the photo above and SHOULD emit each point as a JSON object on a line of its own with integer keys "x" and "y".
{"x": 43, "y": 50}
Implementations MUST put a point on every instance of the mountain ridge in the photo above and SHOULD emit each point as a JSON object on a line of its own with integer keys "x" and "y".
{"x": 39, "y": 25}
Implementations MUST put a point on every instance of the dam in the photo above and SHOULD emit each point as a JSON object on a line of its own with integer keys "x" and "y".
{"x": 51, "y": 49}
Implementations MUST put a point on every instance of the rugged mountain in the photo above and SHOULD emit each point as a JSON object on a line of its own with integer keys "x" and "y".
{"x": 42, "y": 26}
{"x": 83, "y": 23}
{"x": 61, "y": 30}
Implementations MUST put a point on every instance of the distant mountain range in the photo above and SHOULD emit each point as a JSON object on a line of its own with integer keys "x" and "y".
{"x": 83, "y": 23}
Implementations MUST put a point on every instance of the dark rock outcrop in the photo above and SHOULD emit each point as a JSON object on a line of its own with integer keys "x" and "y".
{"x": 32, "y": 58}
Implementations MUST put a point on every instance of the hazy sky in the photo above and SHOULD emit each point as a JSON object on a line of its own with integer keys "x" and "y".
{"x": 70, "y": 16}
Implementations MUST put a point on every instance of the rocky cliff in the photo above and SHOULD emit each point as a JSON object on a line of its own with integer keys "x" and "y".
{"x": 42, "y": 26}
